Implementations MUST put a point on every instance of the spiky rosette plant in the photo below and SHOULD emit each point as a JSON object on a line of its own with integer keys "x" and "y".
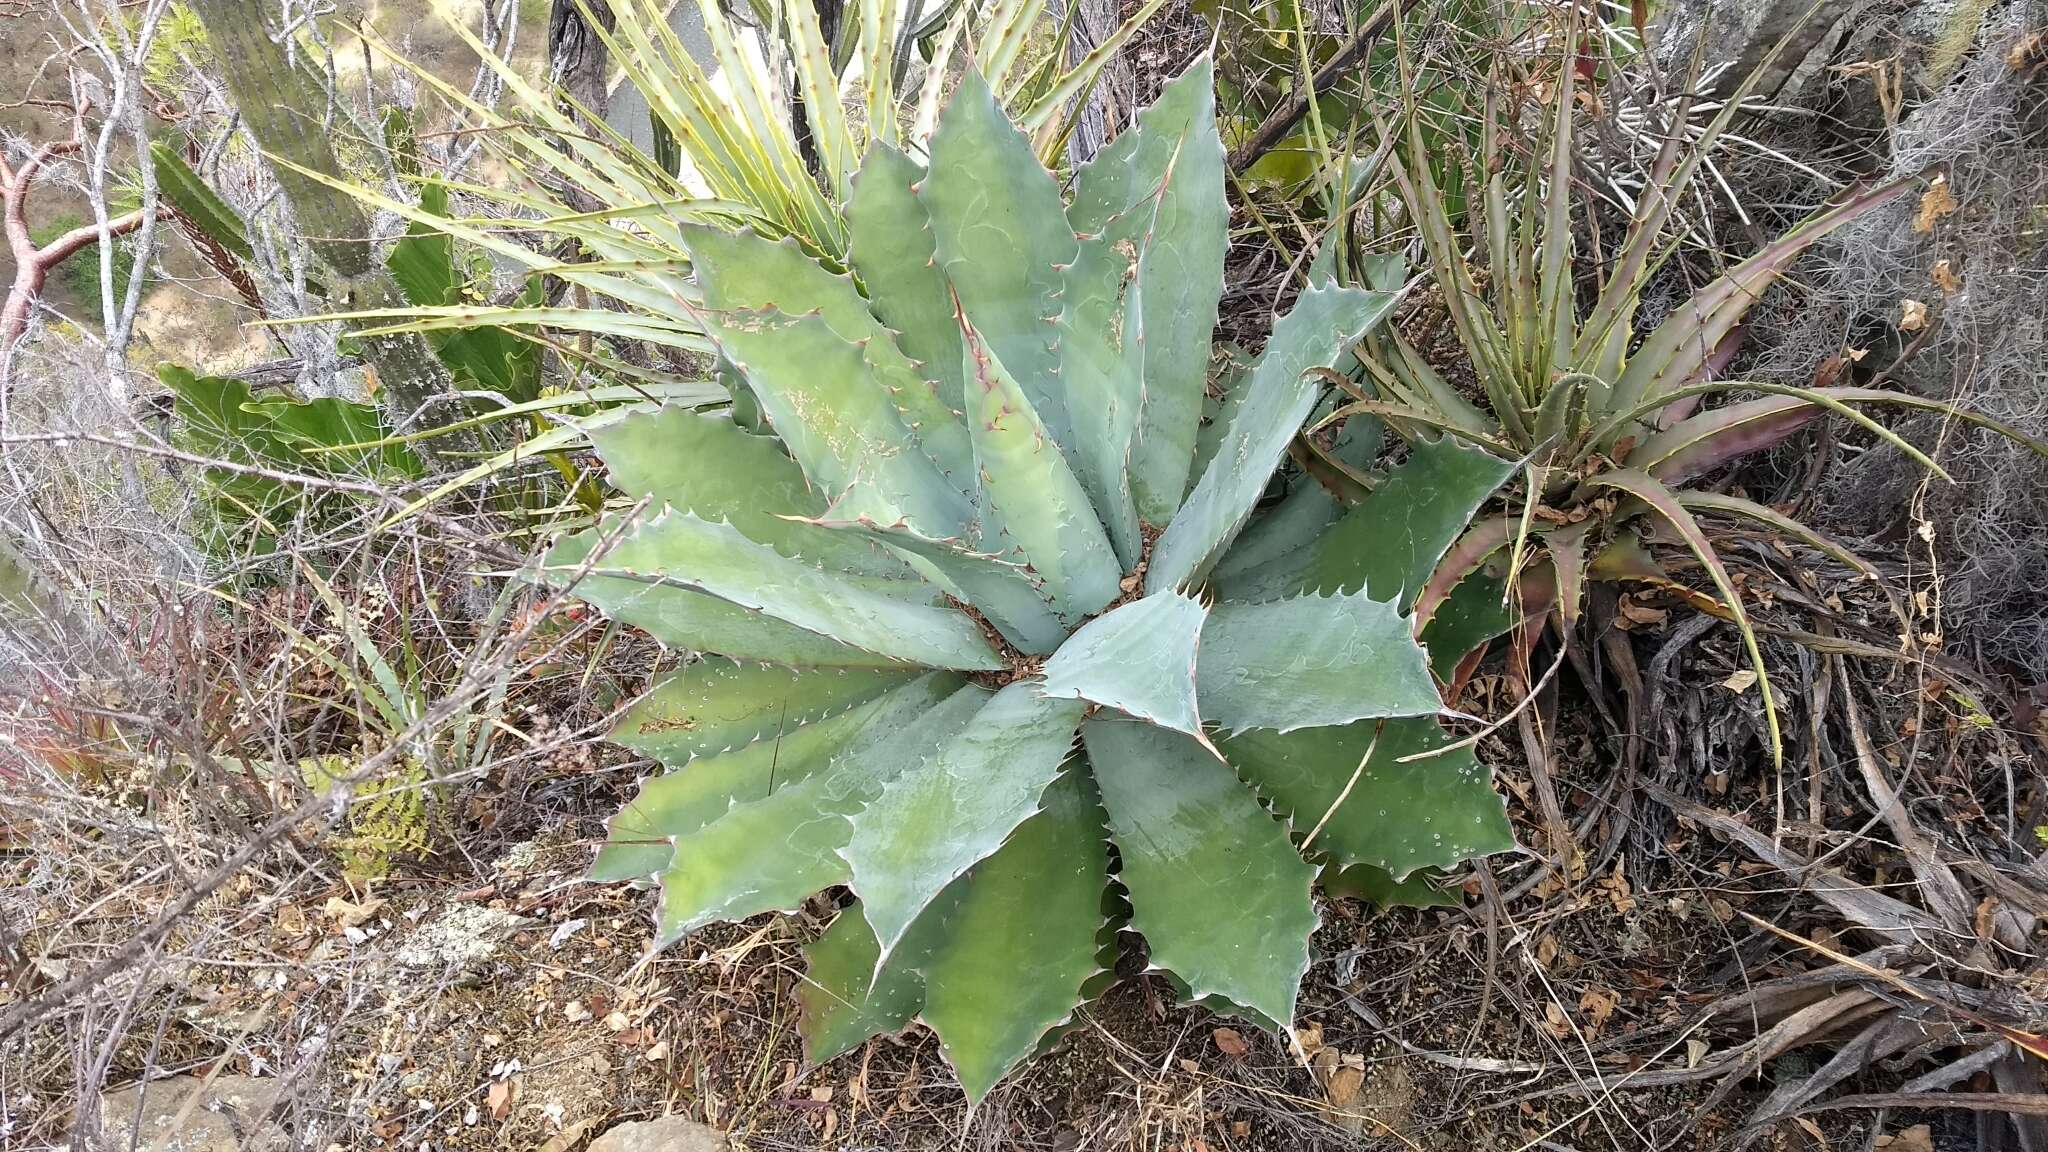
{"x": 961, "y": 656}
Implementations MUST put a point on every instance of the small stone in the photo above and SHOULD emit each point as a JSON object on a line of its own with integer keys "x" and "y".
{"x": 227, "y": 1117}
{"x": 668, "y": 1134}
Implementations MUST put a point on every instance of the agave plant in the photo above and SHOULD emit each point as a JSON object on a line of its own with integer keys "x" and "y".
{"x": 961, "y": 655}
{"x": 1607, "y": 423}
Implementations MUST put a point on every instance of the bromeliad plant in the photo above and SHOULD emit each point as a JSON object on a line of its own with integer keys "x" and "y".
{"x": 1607, "y": 424}
{"x": 961, "y": 653}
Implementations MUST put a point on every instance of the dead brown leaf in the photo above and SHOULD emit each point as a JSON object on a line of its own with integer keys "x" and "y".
{"x": 499, "y": 1099}
{"x": 1918, "y": 1138}
{"x": 1598, "y": 1004}
{"x": 1935, "y": 203}
{"x": 1912, "y": 315}
{"x": 1231, "y": 1043}
{"x": 1944, "y": 276}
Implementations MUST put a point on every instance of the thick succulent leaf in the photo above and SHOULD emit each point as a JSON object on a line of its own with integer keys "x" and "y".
{"x": 1700, "y": 444}
{"x": 1391, "y": 541}
{"x": 1430, "y": 813}
{"x": 1321, "y": 329}
{"x": 996, "y": 965}
{"x": 823, "y": 397}
{"x": 702, "y": 462}
{"x": 1102, "y": 355}
{"x": 685, "y": 617}
{"x": 1138, "y": 659}
{"x": 892, "y": 253}
{"x": 771, "y": 854}
{"x": 1311, "y": 661}
{"x": 1016, "y": 938}
{"x": 1219, "y": 406}
{"x": 1218, "y": 892}
{"x": 744, "y": 272}
{"x": 1045, "y": 517}
{"x": 942, "y": 816}
{"x": 1293, "y": 524}
{"x": 679, "y": 549}
{"x": 1475, "y": 612}
{"x": 1010, "y": 595}
{"x": 714, "y": 705}
{"x": 684, "y": 800}
{"x": 1001, "y": 236}
{"x": 844, "y": 999}
{"x": 1163, "y": 178}
{"x": 1377, "y": 885}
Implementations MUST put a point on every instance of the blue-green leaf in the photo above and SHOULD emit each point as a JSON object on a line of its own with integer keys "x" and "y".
{"x": 941, "y": 817}
{"x": 1138, "y": 659}
{"x": 1217, "y": 891}
{"x": 1323, "y": 326}
{"x": 1312, "y": 661}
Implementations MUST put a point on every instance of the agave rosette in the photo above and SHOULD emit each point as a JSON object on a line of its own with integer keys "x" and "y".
{"x": 995, "y": 633}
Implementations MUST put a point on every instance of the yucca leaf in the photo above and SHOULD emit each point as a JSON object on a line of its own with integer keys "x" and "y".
{"x": 1486, "y": 536}
{"x": 1665, "y": 503}
{"x": 1029, "y": 493}
{"x": 681, "y": 551}
{"x": 1311, "y": 661}
{"x": 1008, "y": 593}
{"x": 771, "y": 854}
{"x": 693, "y": 795}
{"x": 1431, "y": 813}
{"x": 714, "y": 705}
{"x": 1158, "y": 188}
{"x": 1001, "y": 237}
{"x": 890, "y": 244}
{"x": 827, "y": 404}
{"x": 879, "y": 21}
{"x": 1084, "y": 72}
{"x": 1764, "y": 515}
{"x": 813, "y": 61}
{"x": 1390, "y": 542}
{"x": 1321, "y": 328}
{"x": 944, "y": 815}
{"x": 1193, "y": 839}
{"x": 1139, "y": 659}
{"x": 1676, "y": 350}
{"x": 703, "y": 463}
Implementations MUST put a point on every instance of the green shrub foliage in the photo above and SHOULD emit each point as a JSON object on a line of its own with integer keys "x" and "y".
{"x": 963, "y": 648}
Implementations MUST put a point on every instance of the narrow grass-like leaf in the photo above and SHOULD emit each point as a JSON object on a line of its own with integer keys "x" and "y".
{"x": 1666, "y": 505}
{"x": 1311, "y": 661}
{"x": 1322, "y": 327}
{"x": 1194, "y": 840}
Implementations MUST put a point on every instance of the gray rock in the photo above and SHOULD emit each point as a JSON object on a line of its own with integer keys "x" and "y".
{"x": 668, "y": 1134}
{"x": 178, "y": 1116}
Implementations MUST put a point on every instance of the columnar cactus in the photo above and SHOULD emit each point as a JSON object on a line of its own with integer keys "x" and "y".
{"x": 970, "y": 647}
